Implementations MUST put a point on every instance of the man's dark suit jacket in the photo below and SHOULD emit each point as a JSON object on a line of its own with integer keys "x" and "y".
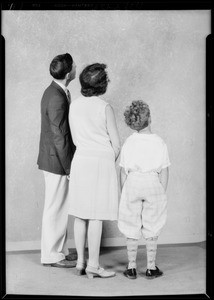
{"x": 56, "y": 148}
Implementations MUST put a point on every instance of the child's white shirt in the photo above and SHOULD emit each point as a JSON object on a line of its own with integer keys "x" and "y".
{"x": 144, "y": 153}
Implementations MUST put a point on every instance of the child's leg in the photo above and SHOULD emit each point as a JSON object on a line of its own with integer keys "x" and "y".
{"x": 151, "y": 250}
{"x": 129, "y": 220}
{"x": 132, "y": 245}
{"x": 154, "y": 215}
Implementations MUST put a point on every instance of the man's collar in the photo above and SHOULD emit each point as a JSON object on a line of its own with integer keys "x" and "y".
{"x": 61, "y": 85}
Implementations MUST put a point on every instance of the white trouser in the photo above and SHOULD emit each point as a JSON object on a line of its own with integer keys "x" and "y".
{"x": 143, "y": 206}
{"x": 55, "y": 218}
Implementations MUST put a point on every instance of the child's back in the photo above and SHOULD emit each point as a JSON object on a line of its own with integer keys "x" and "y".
{"x": 144, "y": 165}
{"x": 144, "y": 153}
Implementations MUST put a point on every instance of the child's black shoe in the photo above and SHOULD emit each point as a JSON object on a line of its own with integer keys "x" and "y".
{"x": 130, "y": 273}
{"x": 150, "y": 274}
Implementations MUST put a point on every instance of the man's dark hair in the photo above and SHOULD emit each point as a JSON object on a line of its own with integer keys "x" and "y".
{"x": 61, "y": 65}
{"x": 94, "y": 80}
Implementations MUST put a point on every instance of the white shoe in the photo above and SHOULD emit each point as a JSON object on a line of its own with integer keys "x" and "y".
{"x": 98, "y": 272}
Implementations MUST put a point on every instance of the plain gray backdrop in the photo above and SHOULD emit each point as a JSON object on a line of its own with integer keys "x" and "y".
{"x": 156, "y": 56}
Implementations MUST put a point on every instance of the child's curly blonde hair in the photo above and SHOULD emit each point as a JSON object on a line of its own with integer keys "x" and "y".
{"x": 137, "y": 115}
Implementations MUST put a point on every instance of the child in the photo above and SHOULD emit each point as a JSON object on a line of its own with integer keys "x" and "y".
{"x": 144, "y": 177}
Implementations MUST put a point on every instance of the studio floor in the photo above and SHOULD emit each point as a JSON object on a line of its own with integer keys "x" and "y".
{"x": 184, "y": 268}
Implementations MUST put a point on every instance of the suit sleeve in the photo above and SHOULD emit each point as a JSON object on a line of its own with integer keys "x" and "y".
{"x": 58, "y": 116}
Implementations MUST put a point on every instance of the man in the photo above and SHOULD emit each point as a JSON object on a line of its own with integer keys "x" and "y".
{"x": 56, "y": 151}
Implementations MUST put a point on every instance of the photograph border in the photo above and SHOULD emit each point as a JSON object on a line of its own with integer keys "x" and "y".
{"x": 121, "y": 5}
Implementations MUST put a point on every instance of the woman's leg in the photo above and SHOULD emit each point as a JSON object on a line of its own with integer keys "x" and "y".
{"x": 80, "y": 231}
{"x": 94, "y": 238}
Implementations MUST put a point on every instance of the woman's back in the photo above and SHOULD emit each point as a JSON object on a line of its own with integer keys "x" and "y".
{"x": 87, "y": 118}
{"x": 93, "y": 180}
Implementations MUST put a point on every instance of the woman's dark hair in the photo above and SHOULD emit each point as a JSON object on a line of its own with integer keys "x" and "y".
{"x": 61, "y": 65}
{"x": 94, "y": 80}
{"x": 137, "y": 115}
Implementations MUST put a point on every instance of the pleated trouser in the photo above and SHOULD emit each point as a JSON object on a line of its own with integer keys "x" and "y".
{"x": 55, "y": 218}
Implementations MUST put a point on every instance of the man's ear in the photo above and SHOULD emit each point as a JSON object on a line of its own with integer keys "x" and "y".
{"x": 67, "y": 76}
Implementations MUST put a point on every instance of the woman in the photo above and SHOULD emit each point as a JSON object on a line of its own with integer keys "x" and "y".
{"x": 93, "y": 188}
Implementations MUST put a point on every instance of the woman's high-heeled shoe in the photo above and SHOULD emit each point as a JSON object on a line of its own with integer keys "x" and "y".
{"x": 80, "y": 269}
{"x": 98, "y": 272}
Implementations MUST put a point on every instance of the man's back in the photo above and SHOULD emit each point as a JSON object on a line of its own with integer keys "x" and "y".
{"x": 56, "y": 146}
